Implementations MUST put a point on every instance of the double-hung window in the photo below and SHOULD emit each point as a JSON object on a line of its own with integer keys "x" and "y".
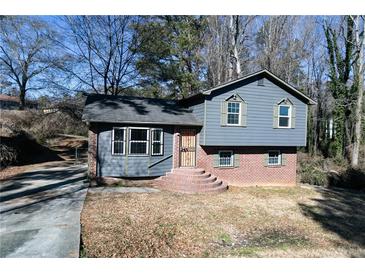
{"x": 156, "y": 141}
{"x": 225, "y": 158}
{"x": 138, "y": 141}
{"x": 284, "y": 116}
{"x": 233, "y": 113}
{"x": 118, "y": 141}
{"x": 274, "y": 158}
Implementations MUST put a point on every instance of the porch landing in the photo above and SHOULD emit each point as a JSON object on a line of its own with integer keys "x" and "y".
{"x": 190, "y": 180}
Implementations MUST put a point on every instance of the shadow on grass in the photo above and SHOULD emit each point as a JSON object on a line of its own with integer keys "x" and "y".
{"x": 350, "y": 178}
{"x": 340, "y": 211}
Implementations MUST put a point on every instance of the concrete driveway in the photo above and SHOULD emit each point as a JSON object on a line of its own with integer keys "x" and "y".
{"x": 40, "y": 212}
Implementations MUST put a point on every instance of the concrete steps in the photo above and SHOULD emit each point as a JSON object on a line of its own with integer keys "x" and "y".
{"x": 191, "y": 181}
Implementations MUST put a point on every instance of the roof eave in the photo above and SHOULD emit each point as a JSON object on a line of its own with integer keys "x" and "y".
{"x": 298, "y": 92}
{"x": 142, "y": 122}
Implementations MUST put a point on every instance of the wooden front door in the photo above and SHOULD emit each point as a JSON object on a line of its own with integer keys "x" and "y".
{"x": 187, "y": 147}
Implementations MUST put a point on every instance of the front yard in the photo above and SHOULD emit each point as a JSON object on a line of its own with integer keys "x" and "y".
{"x": 243, "y": 222}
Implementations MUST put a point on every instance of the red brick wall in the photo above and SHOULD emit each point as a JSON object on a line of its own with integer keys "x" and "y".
{"x": 251, "y": 170}
{"x": 92, "y": 151}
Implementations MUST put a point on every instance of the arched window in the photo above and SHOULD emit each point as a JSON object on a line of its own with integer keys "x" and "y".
{"x": 234, "y": 111}
{"x": 284, "y": 114}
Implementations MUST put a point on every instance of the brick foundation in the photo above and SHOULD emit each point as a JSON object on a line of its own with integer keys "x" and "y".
{"x": 251, "y": 170}
{"x": 92, "y": 151}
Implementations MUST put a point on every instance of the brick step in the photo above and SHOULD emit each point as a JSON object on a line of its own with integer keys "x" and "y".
{"x": 204, "y": 180}
{"x": 186, "y": 171}
{"x": 196, "y": 177}
{"x": 219, "y": 189}
{"x": 186, "y": 185}
{"x": 190, "y": 181}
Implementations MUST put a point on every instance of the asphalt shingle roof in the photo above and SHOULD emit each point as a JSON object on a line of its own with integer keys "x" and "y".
{"x": 130, "y": 109}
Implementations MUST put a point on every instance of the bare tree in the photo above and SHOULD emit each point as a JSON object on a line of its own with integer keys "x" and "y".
{"x": 100, "y": 56}
{"x": 281, "y": 42}
{"x": 234, "y": 32}
{"x": 359, "y": 70}
{"x": 24, "y": 52}
{"x": 216, "y": 56}
{"x": 227, "y": 49}
{"x": 239, "y": 33}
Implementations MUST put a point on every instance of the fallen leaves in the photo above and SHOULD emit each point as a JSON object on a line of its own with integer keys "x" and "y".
{"x": 241, "y": 222}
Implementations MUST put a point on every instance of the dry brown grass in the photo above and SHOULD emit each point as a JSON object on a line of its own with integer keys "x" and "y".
{"x": 243, "y": 222}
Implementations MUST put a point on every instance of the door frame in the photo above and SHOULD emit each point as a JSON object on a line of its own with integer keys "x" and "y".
{"x": 195, "y": 148}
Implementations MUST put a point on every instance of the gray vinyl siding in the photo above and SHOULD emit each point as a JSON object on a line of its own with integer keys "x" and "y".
{"x": 259, "y": 131}
{"x": 198, "y": 109}
{"x": 128, "y": 165}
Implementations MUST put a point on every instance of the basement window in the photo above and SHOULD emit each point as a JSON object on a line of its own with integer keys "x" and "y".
{"x": 274, "y": 158}
{"x": 225, "y": 158}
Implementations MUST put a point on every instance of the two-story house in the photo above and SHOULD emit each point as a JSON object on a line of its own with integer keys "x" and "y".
{"x": 244, "y": 132}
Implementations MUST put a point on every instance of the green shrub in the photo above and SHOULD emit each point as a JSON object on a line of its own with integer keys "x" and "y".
{"x": 329, "y": 172}
{"x": 311, "y": 170}
{"x": 313, "y": 176}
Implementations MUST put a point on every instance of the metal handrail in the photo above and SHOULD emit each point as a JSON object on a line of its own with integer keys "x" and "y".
{"x": 159, "y": 161}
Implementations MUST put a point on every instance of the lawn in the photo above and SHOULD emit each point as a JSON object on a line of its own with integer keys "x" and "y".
{"x": 243, "y": 222}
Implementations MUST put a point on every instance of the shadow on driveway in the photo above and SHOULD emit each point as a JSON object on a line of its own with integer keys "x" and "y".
{"x": 41, "y": 184}
{"x": 40, "y": 212}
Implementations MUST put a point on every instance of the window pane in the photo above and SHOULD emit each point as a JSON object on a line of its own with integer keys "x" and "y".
{"x": 233, "y": 107}
{"x": 118, "y": 134}
{"x": 138, "y": 134}
{"x": 118, "y": 148}
{"x": 156, "y": 148}
{"x": 233, "y": 119}
{"x": 156, "y": 135}
{"x": 284, "y": 111}
{"x": 225, "y": 159}
{"x": 284, "y": 122}
{"x": 138, "y": 148}
{"x": 274, "y": 158}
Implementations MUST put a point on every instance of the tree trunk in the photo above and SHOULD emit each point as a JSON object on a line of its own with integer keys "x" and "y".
{"x": 234, "y": 62}
{"x": 360, "y": 90}
{"x": 22, "y": 98}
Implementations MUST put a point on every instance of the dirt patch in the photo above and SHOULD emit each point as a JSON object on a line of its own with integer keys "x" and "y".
{"x": 9, "y": 172}
{"x": 243, "y": 222}
{"x": 121, "y": 182}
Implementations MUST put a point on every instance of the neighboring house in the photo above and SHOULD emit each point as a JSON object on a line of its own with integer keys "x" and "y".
{"x": 8, "y": 102}
{"x": 244, "y": 132}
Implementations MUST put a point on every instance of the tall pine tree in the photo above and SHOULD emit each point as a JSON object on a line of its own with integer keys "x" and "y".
{"x": 169, "y": 58}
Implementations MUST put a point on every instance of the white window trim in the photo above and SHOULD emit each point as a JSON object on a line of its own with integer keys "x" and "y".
{"x": 289, "y": 115}
{"x": 280, "y": 159}
{"x": 239, "y": 113}
{"x": 160, "y": 141}
{"x": 124, "y": 142}
{"x": 131, "y": 141}
{"x": 219, "y": 158}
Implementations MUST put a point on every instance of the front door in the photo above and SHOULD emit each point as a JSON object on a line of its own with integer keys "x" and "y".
{"x": 187, "y": 147}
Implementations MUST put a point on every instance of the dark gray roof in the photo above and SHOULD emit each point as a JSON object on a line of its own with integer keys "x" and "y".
{"x": 130, "y": 109}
